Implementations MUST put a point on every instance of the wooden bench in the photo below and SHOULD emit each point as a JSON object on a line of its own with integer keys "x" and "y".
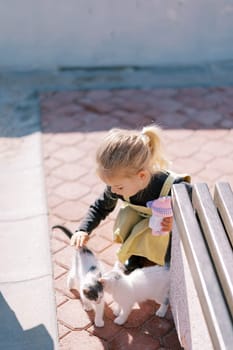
{"x": 202, "y": 267}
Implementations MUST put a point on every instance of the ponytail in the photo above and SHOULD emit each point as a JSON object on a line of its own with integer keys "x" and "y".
{"x": 158, "y": 159}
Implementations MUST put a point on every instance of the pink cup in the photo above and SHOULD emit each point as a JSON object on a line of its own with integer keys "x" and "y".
{"x": 161, "y": 208}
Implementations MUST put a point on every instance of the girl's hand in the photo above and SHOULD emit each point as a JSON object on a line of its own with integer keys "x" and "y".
{"x": 167, "y": 224}
{"x": 79, "y": 239}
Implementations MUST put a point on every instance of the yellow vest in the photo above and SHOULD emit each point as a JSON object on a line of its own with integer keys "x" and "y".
{"x": 132, "y": 229}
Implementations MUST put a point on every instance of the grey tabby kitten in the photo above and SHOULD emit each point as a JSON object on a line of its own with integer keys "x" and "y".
{"x": 86, "y": 272}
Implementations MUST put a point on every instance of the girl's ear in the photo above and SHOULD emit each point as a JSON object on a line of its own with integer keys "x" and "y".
{"x": 143, "y": 174}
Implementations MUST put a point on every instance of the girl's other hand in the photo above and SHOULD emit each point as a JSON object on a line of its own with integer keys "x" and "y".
{"x": 167, "y": 224}
{"x": 79, "y": 239}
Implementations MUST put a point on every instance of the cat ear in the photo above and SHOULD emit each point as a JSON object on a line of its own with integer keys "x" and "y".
{"x": 101, "y": 280}
{"x": 118, "y": 275}
{"x": 85, "y": 291}
{"x": 118, "y": 266}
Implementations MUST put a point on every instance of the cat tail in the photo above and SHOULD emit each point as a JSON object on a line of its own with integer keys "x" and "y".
{"x": 64, "y": 229}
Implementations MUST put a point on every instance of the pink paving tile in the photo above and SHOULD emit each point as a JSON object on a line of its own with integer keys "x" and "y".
{"x": 52, "y": 181}
{"x": 70, "y": 210}
{"x": 54, "y": 200}
{"x": 99, "y": 244}
{"x": 57, "y": 234}
{"x": 57, "y": 245}
{"x": 60, "y": 298}
{"x": 55, "y": 220}
{"x": 134, "y": 339}
{"x": 73, "y": 316}
{"x": 69, "y": 171}
{"x": 187, "y": 165}
{"x": 68, "y": 139}
{"x": 50, "y": 147}
{"x": 109, "y": 255}
{"x": 216, "y": 148}
{"x": 70, "y": 190}
{"x": 171, "y": 341}
{"x": 105, "y": 230}
{"x": 82, "y": 340}
{"x": 226, "y": 164}
{"x": 64, "y": 256}
{"x": 58, "y": 271}
{"x": 140, "y": 314}
{"x": 62, "y": 330}
{"x": 51, "y": 163}
{"x": 69, "y": 154}
{"x": 157, "y": 327}
{"x": 108, "y": 332}
{"x": 60, "y": 285}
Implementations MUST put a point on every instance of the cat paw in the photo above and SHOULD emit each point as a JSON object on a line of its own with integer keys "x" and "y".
{"x": 87, "y": 307}
{"x": 116, "y": 311}
{"x": 161, "y": 312}
{"x": 119, "y": 321}
{"x": 70, "y": 283}
{"x": 99, "y": 323}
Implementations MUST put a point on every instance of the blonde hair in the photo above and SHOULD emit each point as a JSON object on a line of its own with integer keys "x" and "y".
{"x": 130, "y": 151}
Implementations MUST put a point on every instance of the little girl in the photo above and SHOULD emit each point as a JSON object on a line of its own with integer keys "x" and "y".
{"x": 132, "y": 165}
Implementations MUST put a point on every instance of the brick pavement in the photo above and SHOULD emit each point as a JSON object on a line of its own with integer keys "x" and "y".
{"x": 198, "y": 133}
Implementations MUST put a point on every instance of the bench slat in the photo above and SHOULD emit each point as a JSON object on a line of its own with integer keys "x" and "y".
{"x": 215, "y": 235}
{"x": 223, "y": 199}
{"x": 216, "y": 314}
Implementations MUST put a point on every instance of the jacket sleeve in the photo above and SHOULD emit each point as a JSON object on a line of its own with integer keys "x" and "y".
{"x": 98, "y": 211}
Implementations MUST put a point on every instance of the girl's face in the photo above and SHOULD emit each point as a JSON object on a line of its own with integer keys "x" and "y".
{"x": 127, "y": 186}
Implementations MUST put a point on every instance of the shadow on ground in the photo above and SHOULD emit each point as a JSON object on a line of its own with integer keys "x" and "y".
{"x": 13, "y": 336}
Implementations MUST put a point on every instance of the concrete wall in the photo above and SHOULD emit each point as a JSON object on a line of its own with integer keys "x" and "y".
{"x": 54, "y": 33}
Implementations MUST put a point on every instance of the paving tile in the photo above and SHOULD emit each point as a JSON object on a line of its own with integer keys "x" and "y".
{"x": 157, "y": 327}
{"x": 64, "y": 256}
{"x": 60, "y": 298}
{"x": 171, "y": 341}
{"x": 109, "y": 254}
{"x": 55, "y": 220}
{"x": 60, "y": 285}
{"x": 70, "y": 210}
{"x": 70, "y": 190}
{"x": 70, "y": 172}
{"x": 102, "y": 244}
{"x": 51, "y": 163}
{"x": 69, "y": 154}
{"x": 73, "y": 316}
{"x": 54, "y": 200}
{"x": 57, "y": 233}
{"x": 140, "y": 314}
{"x": 62, "y": 330}
{"x": 225, "y": 164}
{"x": 107, "y": 333}
{"x": 106, "y": 230}
{"x": 58, "y": 271}
{"x": 134, "y": 339}
{"x": 52, "y": 182}
{"x": 82, "y": 340}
